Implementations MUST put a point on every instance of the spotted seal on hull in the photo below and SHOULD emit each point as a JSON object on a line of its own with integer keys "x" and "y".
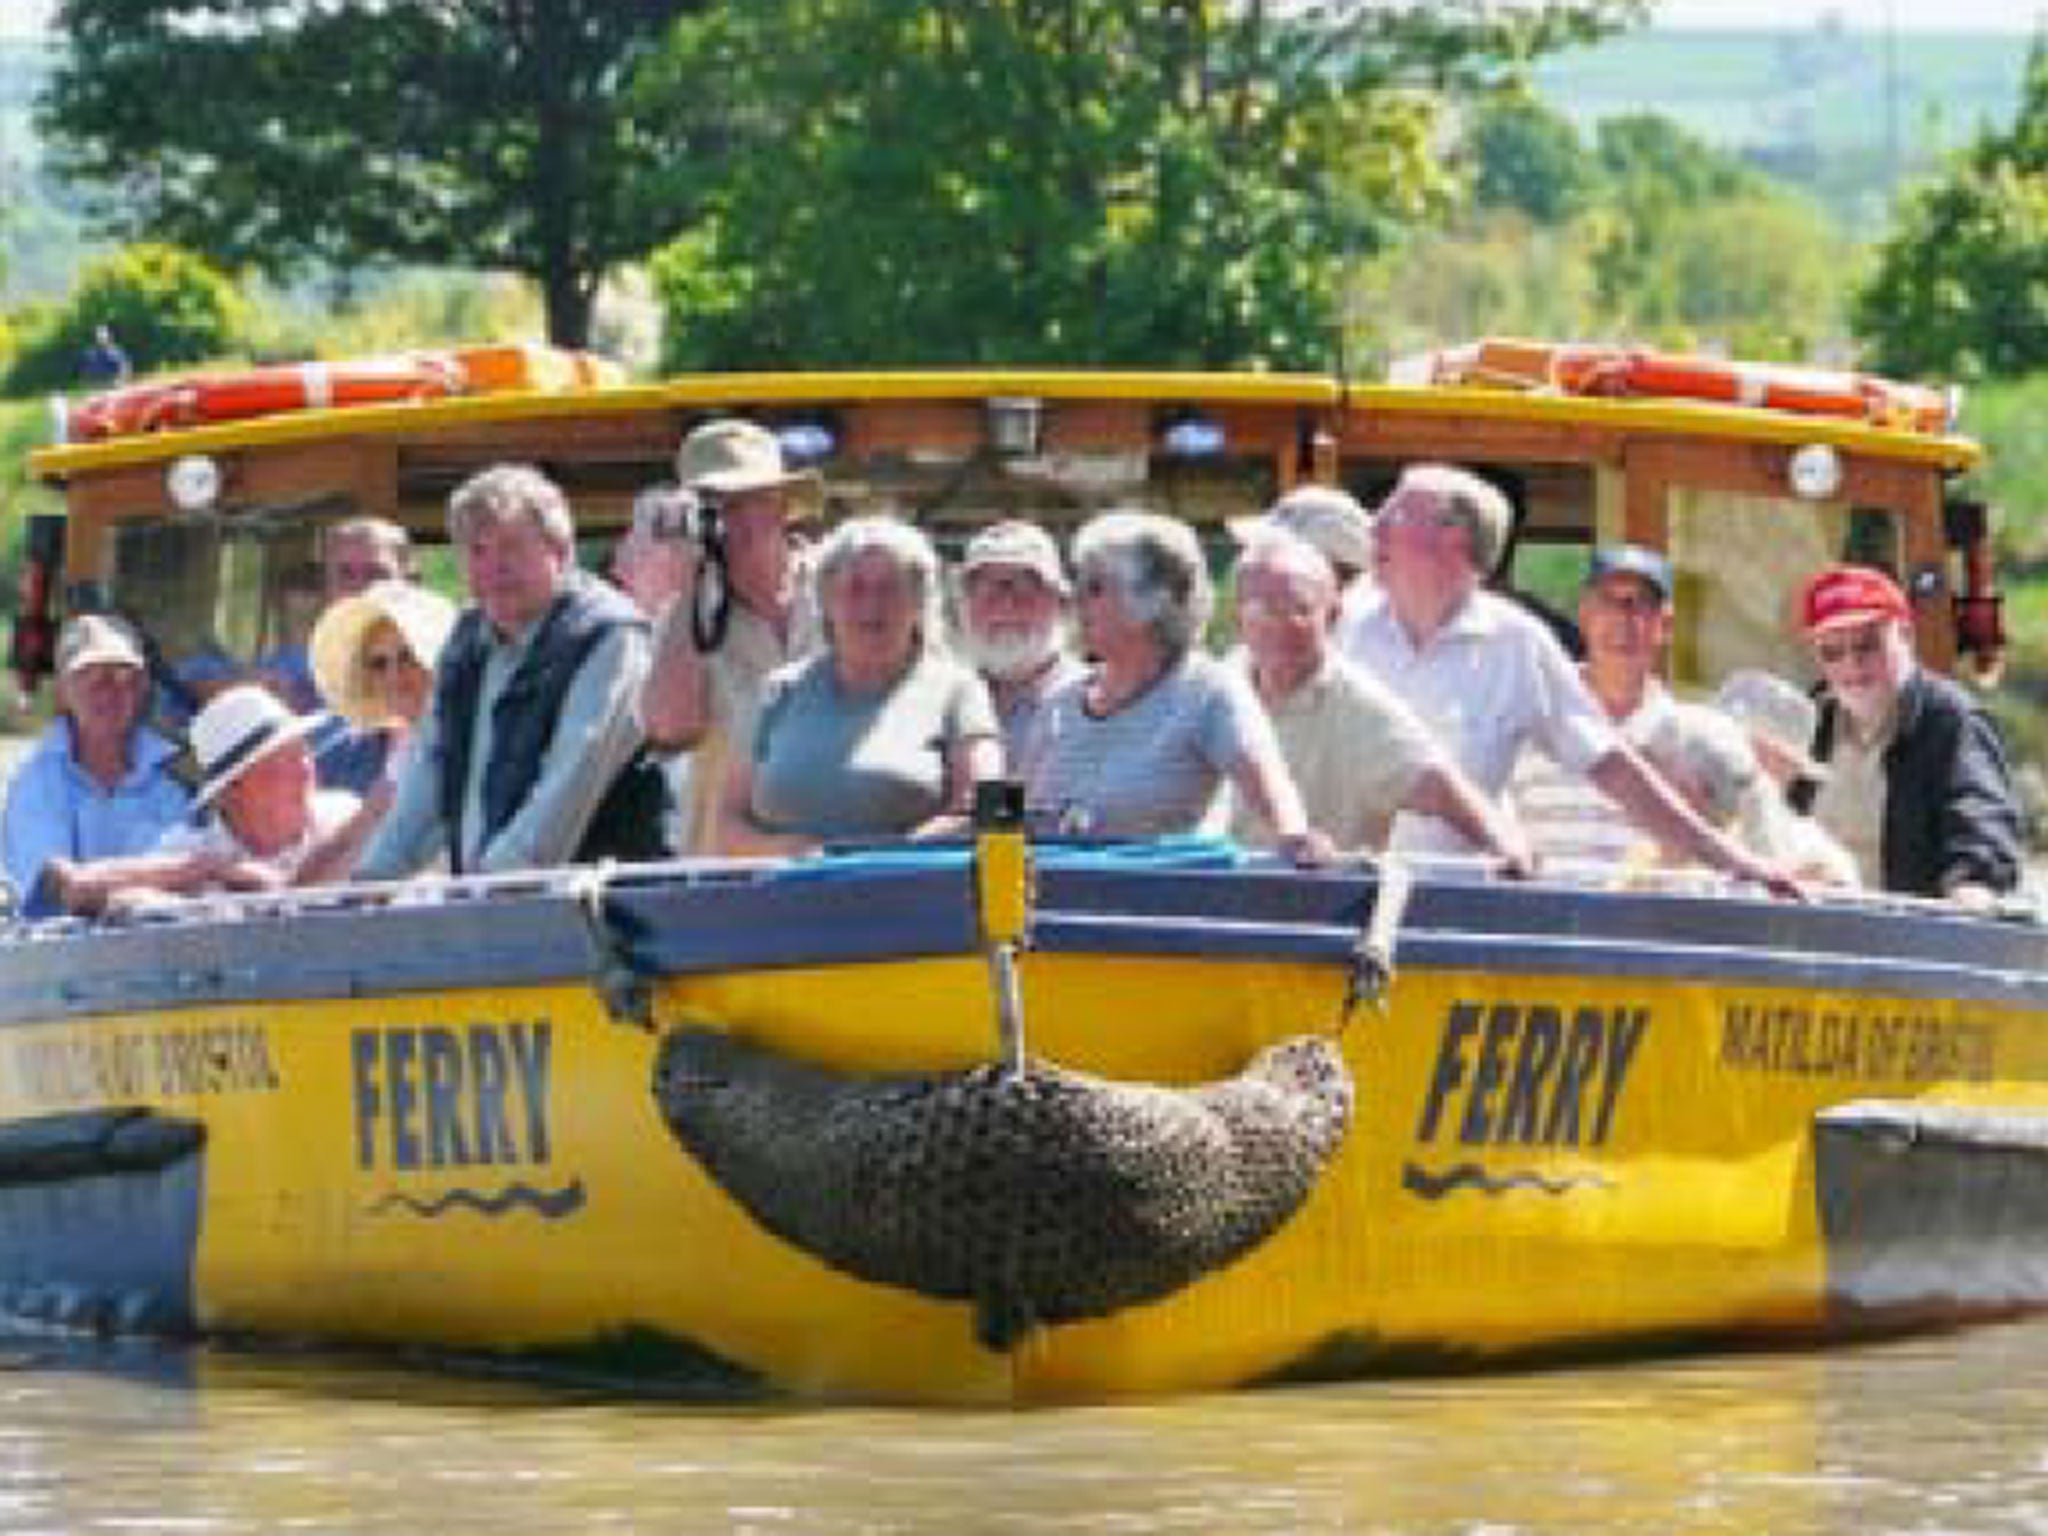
{"x": 1040, "y": 1197}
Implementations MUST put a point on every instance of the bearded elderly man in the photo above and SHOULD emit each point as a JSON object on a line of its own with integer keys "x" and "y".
{"x": 1358, "y": 754}
{"x": 1489, "y": 678}
{"x": 1013, "y": 626}
{"x": 1917, "y": 784}
{"x": 530, "y": 755}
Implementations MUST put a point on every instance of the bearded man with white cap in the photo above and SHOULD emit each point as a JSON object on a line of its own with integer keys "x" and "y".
{"x": 99, "y": 783}
{"x": 271, "y": 826}
{"x": 744, "y": 609}
{"x": 1013, "y": 625}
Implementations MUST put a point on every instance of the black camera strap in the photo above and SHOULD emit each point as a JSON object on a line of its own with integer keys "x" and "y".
{"x": 711, "y": 600}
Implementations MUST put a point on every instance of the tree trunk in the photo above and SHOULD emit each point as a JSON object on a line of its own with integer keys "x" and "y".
{"x": 569, "y": 306}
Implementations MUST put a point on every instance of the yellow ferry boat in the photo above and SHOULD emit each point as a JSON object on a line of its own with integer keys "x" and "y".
{"x": 1025, "y": 1121}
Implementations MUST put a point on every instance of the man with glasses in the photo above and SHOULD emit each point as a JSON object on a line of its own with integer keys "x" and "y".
{"x": 744, "y": 606}
{"x": 1490, "y": 678}
{"x": 1013, "y": 610}
{"x": 1918, "y": 787}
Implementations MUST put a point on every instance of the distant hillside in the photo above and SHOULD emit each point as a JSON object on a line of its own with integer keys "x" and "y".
{"x": 1844, "y": 114}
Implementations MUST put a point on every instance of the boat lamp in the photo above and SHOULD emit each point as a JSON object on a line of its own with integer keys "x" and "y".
{"x": 193, "y": 482}
{"x": 1015, "y": 424}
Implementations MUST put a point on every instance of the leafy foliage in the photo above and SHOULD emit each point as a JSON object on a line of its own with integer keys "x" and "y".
{"x": 1047, "y": 180}
{"x": 1647, "y": 234}
{"x": 166, "y": 306}
{"x": 504, "y": 134}
{"x": 1961, "y": 284}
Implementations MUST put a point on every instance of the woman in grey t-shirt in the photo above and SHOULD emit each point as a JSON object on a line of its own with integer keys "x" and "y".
{"x": 1141, "y": 743}
{"x": 880, "y": 733}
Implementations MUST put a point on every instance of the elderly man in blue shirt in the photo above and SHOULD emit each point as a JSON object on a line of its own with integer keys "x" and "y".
{"x": 98, "y": 783}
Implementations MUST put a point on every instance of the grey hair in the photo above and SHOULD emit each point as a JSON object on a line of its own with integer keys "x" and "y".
{"x": 507, "y": 493}
{"x": 1480, "y": 505}
{"x": 1157, "y": 565}
{"x": 392, "y": 538}
{"x": 1282, "y": 549}
{"x": 906, "y": 546}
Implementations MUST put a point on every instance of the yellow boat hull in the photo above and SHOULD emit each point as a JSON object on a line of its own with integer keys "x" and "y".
{"x": 1535, "y": 1161}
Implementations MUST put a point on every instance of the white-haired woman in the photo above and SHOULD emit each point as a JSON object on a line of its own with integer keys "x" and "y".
{"x": 880, "y": 733}
{"x": 1141, "y": 744}
{"x": 1709, "y": 759}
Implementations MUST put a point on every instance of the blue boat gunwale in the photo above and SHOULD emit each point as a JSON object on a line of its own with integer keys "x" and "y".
{"x": 686, "y": 920}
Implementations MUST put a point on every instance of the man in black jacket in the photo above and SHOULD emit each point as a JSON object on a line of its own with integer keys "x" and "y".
{"x": 1918, "y": 788}
{"x": 531, "y": 755}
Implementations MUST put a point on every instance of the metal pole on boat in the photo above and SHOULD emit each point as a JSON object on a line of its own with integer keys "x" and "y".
{"x": 1002, "y": 883}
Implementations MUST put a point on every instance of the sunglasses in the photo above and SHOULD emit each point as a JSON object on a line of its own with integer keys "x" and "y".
{"x": 1863, "y": 647}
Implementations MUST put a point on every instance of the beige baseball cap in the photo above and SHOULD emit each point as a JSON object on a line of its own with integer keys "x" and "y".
{"x": 1332, "y": 520}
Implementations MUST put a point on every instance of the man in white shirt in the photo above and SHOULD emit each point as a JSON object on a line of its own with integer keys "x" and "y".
{"x": 1490, "y": 678}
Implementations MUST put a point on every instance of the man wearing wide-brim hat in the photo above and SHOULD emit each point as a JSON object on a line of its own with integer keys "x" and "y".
{"x": 100, "y": 782}
{"x": 271, "y": 825}
{"x": 745, "y": 607}
{"x": 1918, "y": 787}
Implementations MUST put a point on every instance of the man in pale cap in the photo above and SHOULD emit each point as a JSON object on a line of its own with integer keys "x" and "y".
{"x": 1014, "y": 596}
{"x": 1918, "y": 787}
{"x": 744, "y": 606}
{"x": 1489, "y": 678}
{"x": 99, "y": 782}
{"x": 1326, "y": 517}
{"x": 530, "y": 755}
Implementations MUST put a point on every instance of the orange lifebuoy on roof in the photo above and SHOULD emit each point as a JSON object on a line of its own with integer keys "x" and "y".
{"x": 1640, "y": 373}
{"x": 199, "y": 399}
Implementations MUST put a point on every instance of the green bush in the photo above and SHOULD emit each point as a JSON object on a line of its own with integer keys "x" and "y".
{"x": 166, "y": 306}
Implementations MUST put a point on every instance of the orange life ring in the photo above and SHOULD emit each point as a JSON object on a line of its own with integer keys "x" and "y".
{"x": 1629, "y": 372}
{"x": 199, "y": 399}
{"x": 1612, "y": 371}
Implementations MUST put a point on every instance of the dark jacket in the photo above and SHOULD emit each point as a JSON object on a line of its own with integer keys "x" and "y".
{"x": 1950, "y": 814}
{"x": 629, "y": 819}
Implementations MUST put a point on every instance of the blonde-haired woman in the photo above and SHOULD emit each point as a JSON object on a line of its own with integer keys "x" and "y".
{"x": 373, "y": 655}
{"x": 879, "y": 733}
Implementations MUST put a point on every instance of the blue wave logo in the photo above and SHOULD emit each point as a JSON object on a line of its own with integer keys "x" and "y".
{"x": 1434, "y": 1186}
{"x": 565, "y": 1201}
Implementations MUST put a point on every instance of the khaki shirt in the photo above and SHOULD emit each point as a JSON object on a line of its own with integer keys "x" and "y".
{"x": 1850, "y": 803}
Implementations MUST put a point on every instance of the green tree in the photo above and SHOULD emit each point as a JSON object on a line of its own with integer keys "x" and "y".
{"x": 166, "y": 305}
{"x": 1123, "y": 181}
{"x": 1527, "y": 156}
{"x": 507, "y": 134}
{"x": 1960, "y": 286}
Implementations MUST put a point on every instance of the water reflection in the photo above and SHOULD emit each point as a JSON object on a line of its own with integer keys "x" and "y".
{"x": 1890, "y": 1437}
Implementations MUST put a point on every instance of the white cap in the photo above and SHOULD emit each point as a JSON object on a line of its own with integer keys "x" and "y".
{"x": 1330, "y": 519}
{"x": 96, "y": 638}
{"x": 1017, "y": 543}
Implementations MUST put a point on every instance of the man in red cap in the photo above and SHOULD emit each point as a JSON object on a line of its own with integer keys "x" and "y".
{"x": 1917, "y": 786}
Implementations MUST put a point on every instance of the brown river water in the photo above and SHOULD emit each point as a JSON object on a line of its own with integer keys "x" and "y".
{"x": 1937, "y": 1434}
